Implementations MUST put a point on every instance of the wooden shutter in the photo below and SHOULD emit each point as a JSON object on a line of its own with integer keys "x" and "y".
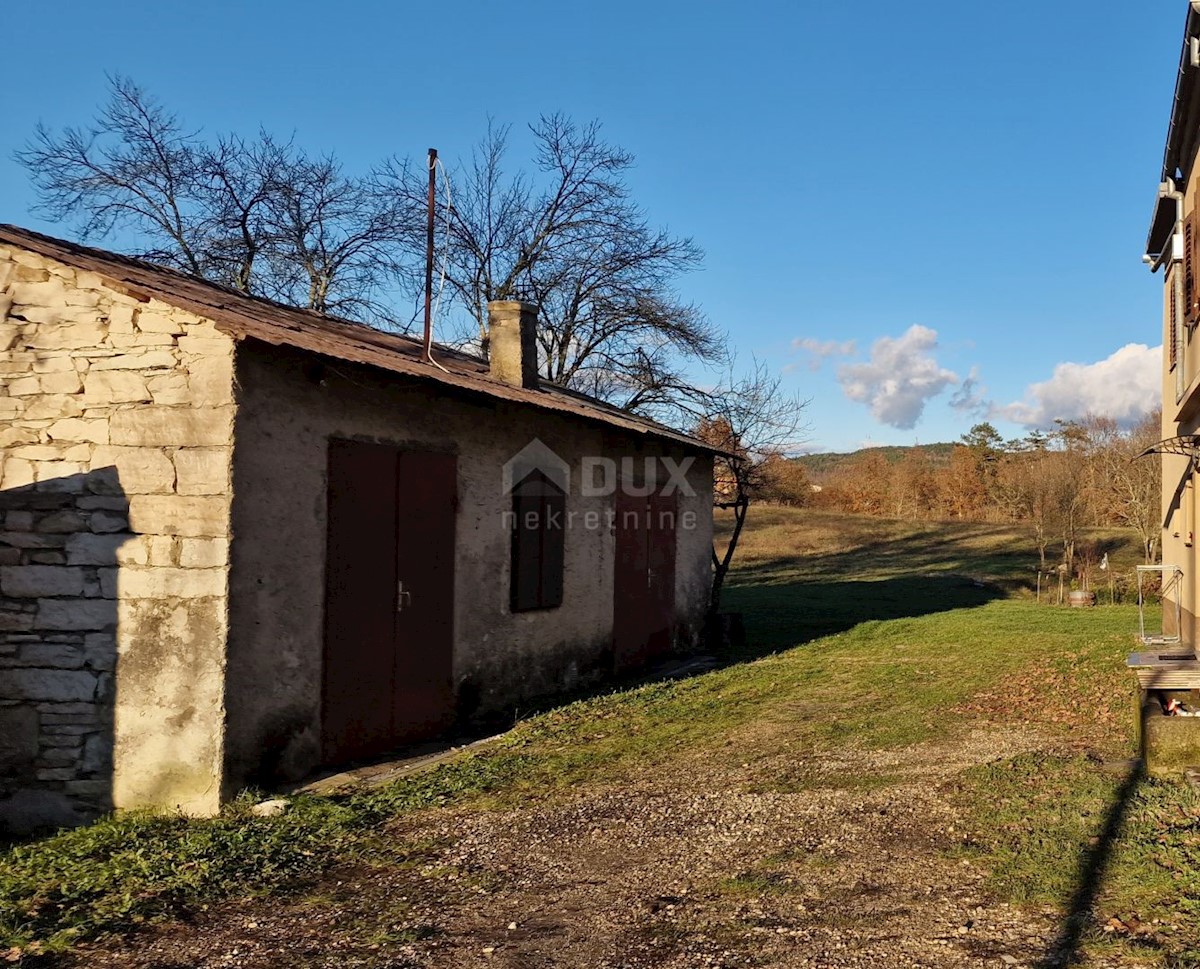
{"x": 538, "y": 545}
{"x": 1173, "y": 324}
{"x": 1191, "y": 311}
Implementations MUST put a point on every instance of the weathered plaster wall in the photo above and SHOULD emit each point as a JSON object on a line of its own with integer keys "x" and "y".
{"x": 291, "y": 404}
{"x": 115, "y": 428}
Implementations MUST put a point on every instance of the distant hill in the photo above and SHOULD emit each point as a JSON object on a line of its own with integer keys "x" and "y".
{"x": 820, "y": 465}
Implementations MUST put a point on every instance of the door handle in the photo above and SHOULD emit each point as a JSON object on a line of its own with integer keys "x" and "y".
{"x": 403, "y": 598}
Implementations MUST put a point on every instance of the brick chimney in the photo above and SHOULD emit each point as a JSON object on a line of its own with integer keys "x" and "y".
{"x": 512, "y": 342}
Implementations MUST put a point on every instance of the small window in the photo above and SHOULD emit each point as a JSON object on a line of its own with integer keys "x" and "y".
{"x": 538, "y": 544}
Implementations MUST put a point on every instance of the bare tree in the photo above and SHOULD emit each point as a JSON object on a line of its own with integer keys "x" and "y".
{"x": 1127, "y": 491}
{"x": 751, "y": 420}
{"x": 257, "y": 215}
{"x": 569, "y": 238}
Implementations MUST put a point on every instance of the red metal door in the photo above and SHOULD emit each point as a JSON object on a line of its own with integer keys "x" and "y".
{"x": 643, "y": 579}
{"x": 389, "y": 599}
{"x": 423, "y": 698}
{"x": 360, "y": 601}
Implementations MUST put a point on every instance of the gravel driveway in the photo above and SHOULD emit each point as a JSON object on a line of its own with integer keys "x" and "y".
{"x": 788, "y": 859}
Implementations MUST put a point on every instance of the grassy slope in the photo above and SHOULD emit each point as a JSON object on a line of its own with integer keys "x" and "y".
{"x": 885, "y": 615}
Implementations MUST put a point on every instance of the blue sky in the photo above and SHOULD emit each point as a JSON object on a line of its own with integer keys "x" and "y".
{"x": 912, "y": 205}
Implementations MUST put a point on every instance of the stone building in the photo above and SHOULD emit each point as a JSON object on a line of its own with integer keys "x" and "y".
{"x": 239, "y": 541}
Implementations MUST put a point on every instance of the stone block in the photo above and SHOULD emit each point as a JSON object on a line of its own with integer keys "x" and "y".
{"x": 53, "y": 335}
{"x": 40, "y": 581}
{"x": 19, "y": 520}
{"x": 79, "y": 429}
{"x": 101, "y": 502}
{"x": 202, "y": 347}
{"x": 97, "y": 755}
{"x": 11, "y": 621}
{"x": 27, "y": 811}
{"x": 16, "y": 436}
{"x": 81, "y": 614}
{"x": 64, "y": 522}
{"x": 100, "y": 651}
{"x": 51, "y": 408}
{"x": 24, "y": 387}
{"x": 120, "y": 318}
{"x": 47, "y": 363}
{"x": 153, "y": 340}
{"x": 203, "y": 553}
{"x": 88, "y": 549}
{"x": 202, "y": 471}
{"x": 37, "y": 452}
{"x": 75, "y": 296}
{"x": 45, "y": 292}
{"x": 104, "y": 521}
{"x": 58, "y": 656}
{"x": 151, "y": 322}
{"x": 18, "y": 473}
{"x": 137, "y": 360}
{"x": 188, "y": 516}
{"x": 173, "y": 426}
{"x": 59, "y": 476}
{"x": 9, "y": 334}
{"x": 19, "y": 731}
{"x": 114, "y": 387}
{"x": 55, "y": 773}
{"x": 172, "y": 388}
{"x": 54, "y": 686}
{"x": 171, "y": 583}
{"x": 33, "y": 540}
{"x": 63, "y": 382}
{"x": 210, "y": 380}
{"x": 64, "y": 755}
{"x": 140, "y": 470}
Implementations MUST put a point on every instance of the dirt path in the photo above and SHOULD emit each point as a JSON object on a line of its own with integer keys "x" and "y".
{"x": 789, "y": 860}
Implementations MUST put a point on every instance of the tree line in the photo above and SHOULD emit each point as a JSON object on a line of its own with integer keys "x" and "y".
{"x": 1081, "y": 474}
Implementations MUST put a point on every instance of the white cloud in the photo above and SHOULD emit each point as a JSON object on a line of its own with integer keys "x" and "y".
{"x": 901, "y": 377}
{"x": 1124, "y": 386}
{"x": 820, "y": 350}
{"x": 971, "y": 396}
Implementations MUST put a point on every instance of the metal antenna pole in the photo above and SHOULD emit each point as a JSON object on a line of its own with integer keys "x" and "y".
{"x": 429, "y": 256}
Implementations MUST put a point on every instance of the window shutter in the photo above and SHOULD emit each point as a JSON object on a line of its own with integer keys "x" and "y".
{"x": 525, "y": 586}
{"x": 554, "y": 507}
{"x": 1172, "y": 337}
{"x": 1190, "y": 312}
{"x": 538, "y": 545}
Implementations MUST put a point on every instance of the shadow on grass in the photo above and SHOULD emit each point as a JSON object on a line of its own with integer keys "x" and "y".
{"x": 1093, "y": 864}
{"x": 780, "y": 615}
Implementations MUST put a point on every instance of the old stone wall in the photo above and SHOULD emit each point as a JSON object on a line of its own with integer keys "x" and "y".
{"x": 115, "y": 428}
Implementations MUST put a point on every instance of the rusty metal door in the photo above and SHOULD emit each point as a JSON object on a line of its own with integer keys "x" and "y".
{"x": 643, "y": 579}
{"x": 389, "y": 599}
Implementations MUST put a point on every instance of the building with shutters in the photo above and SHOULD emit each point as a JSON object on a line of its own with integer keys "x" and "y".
{"x": 1172, "y": 250}
{"x": 240, "y": 542}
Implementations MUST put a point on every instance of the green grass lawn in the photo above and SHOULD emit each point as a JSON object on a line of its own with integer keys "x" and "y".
{"x": 846, "y": 618}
